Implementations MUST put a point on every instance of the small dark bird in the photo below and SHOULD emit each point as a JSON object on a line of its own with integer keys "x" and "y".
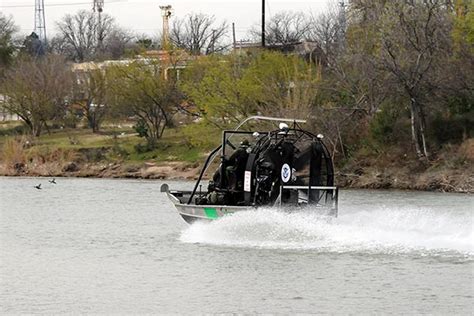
{"x": 38, "y": 186}
{"x": 52, "y": 181}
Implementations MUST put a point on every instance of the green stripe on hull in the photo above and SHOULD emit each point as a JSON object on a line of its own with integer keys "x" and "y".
{"x": 211, "y": 213}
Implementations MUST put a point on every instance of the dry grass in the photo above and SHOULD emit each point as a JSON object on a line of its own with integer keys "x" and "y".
{"x": 14, "y": 153}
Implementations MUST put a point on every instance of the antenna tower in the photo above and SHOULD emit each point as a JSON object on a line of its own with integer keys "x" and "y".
{"x": 99, "y": 7}
{"x": 40, "y": 23}
{"x": 342, "y": 22}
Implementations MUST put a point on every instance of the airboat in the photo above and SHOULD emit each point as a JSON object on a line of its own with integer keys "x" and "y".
{"x": 284, "y": 167}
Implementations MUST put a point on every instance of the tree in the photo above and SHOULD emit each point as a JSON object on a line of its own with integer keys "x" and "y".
{"x": 413, "y": 36}
{"x": 325, "y": 29}
{"x": 284, "y": 28}
{"x": 198, "y": 34}
{"x": 7, "y": 30}
{"x": 37, "y": 91}
{"x": 90, "y": 89}
{"x": 140, "y": 89}
{"x": 228, "y": 89}
{"x": 84, "y": 36}
{"x": 283, "y": 85}
{"x": 215, "y": 85}
{"x": 33, "y": 46}
{"x": 117, "y": 43}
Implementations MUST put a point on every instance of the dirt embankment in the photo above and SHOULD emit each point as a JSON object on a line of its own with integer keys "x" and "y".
{"x": 148, "y": 170}
{"x": 449, "y": 172}
{"x": 444, "y": 180}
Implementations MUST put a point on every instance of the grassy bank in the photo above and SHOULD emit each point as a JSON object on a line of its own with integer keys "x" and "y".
{"x": 117, "y": 151}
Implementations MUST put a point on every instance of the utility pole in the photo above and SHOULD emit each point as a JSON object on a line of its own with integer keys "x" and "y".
{"x": 165, "y": 40}
{"x": 263, "y": 23}
{"x": 166, "y": 14}
{"x": 40, "y": 23}
{"x": 233, "y": 34}
{"x": 213, "y": 40}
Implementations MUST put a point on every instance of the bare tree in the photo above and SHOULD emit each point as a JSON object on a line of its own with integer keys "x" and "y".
{"x": 412, "y": 36}
{"x": 198, "y": 34}
{"x": 284, "y": 28}
{"x": 90, "y": 89}
{"x": 37, "y": 90}
{"x": 324, "y": 29}
{"x": 84, "y": 37}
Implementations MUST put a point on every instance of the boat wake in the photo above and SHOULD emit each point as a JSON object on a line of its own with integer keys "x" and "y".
{"x": 387, "y": 231}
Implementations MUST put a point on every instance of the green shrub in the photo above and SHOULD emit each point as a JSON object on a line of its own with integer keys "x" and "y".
{"x": 453, "y": 129}
{"x": 15, "y": 130}
{"x": 141, "y": 128}
{"x": 385, "y": 127}
{"x": 143, "y": 148}
{"x": 202, "y": 135}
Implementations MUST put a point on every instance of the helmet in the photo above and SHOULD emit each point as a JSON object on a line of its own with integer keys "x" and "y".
{"x": 245, "y": 143}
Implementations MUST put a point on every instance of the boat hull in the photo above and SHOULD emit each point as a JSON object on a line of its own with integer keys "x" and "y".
{"x": 192, "y": 213}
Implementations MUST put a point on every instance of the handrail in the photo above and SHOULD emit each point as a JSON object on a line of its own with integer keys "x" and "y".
{"x": 211, "y": 155}
{"x": 214, "y": 152}
{"x": 268, "y": 118}
{"x": 305, "y": 187}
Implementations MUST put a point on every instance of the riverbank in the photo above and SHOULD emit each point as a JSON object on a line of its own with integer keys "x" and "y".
{"x": 117, "y": 154}
{"x": 368, "y": 177}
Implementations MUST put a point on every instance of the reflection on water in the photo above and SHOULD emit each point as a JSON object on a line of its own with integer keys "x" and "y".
{"x": 118, "y": 246}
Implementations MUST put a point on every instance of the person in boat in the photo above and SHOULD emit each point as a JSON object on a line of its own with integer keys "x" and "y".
{"x": 229, "y": 187}
{"x": 236, "y": 166}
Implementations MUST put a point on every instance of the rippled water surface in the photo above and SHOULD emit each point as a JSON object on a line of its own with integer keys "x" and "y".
{"x": 118, "y": 246}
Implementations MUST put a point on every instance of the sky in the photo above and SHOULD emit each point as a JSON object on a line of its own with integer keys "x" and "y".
{"x": 144, "y": 16}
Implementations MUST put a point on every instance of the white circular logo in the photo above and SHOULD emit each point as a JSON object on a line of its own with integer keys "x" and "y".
{"x": 285, "y": 173}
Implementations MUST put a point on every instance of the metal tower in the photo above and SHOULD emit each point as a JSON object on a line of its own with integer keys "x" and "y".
{"x": 40, "y": 23}
{"x": 342, "y": 23}
{"x": 99, "y": 7}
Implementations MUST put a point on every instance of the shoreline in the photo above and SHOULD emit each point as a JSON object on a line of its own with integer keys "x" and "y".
{"x": 362, "y": 178}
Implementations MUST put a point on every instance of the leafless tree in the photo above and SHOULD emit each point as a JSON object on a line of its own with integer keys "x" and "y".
{"x": 117, "y": 43}
{"x": 90, "y": 89}
{"x": 324, "y": 29}
{"x": 412, "y": 39}
{"x": 83, "y": 36}
{"x": 37, "y": 90}
{"x": 199, "y": 34}
{"x": 283, "y": 28}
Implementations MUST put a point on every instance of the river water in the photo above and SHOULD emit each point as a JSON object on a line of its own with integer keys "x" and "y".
{"x": 118, "y": 246}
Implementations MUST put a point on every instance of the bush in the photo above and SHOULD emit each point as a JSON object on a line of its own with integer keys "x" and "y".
{"x": 454, "y": 129}
{"x": 202, "y": 135}
{"x": 15, "y": 130}
{"x": 14, "y": 152}
{"x": 141, "y": 128}
{"x": 390, "y": 126}
{"x": 144, "y": 148}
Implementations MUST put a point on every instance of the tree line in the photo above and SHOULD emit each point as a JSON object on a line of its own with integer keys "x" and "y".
{"x": 385, "y": 73}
